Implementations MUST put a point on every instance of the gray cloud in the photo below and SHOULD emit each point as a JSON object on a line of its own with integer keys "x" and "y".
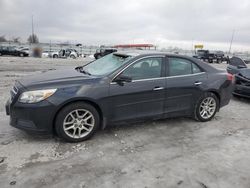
{"x": 162, "y": 22}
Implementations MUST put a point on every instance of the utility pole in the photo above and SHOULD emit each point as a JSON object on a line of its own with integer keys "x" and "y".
{"x": 231, "y": 42}
{"x": 32, "y": 29}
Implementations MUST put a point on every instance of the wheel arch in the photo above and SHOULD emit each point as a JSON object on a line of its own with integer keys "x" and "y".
{"x": 216, "y": 93}
{"x": 88, "y": 101}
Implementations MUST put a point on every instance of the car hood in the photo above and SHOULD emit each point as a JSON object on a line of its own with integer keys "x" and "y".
{"x": 53, "y": 77}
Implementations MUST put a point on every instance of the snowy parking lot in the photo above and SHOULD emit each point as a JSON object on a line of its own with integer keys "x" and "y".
{"x": 176, "y": 152}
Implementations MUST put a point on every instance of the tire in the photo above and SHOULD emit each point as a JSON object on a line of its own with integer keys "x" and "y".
{"x": 0, "y": 54}
{"x": 72, "y": 56}
{"x": 55, "y": 56}
{"x": 211, "y": 109}
{"x": 78, "y": 128}
{"x": 98, "y": 56}
{"x": 21, "y": 54}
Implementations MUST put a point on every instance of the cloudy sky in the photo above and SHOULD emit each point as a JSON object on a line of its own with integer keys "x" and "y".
{"x": 162, "y": 22}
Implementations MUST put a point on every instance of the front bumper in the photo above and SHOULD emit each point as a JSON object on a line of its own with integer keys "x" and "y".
{"x": 35, "y": 118}
{"x": 242, "y": 86}
{"x": 241, "y": 90}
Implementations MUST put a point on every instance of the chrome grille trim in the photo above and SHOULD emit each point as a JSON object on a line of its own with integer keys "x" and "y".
{"x": 14, "y": 90}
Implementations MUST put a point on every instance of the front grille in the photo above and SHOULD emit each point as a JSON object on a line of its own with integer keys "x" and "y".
{"x": 13, "y": 92}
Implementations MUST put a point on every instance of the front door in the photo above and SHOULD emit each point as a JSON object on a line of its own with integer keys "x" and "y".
{"x": 142, "y": 97}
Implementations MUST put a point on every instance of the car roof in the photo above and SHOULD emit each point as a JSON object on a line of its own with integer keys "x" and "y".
{"x": 145, "y": 53}
{"x": 135, "y": 53}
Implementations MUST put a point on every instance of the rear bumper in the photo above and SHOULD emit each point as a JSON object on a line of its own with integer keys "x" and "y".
{"x": 32, "y": 118}
{"x": 226, "y": 93}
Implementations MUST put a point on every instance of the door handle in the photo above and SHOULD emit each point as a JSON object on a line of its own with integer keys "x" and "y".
{"x": 158, "y": 88}
{"x": 197, "y": 83}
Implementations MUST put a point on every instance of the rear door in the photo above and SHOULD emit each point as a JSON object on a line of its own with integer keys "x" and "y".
{"x": 145, "y": 95}
{"x": 185, "y": 83}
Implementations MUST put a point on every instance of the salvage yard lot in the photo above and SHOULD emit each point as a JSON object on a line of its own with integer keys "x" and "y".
{"x": 176, "y": 152}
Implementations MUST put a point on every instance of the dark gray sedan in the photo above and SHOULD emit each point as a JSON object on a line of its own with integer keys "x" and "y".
{"x": 122, "y": 86}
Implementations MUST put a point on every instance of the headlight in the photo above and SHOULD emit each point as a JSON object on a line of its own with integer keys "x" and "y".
{"x": 36, "y": 96}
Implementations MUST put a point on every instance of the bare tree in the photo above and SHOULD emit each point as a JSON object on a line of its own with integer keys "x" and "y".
{"x": 16, "y": 39}
{"x": 33, "y": 39}
{"x": 3, "y": 39}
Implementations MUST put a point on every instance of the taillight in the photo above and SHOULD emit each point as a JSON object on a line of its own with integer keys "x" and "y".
{"x": 231, "y": 77}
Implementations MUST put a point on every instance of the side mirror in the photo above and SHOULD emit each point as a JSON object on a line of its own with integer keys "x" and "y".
{"x": 121, "y": 79}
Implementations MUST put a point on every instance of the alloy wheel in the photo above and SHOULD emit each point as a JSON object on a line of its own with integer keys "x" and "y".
{"x": 207, "y": 108}
{"x": 78, "y": 123}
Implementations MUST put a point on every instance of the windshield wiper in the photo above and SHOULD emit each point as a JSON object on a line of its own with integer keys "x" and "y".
{"x": 81, "y": 70}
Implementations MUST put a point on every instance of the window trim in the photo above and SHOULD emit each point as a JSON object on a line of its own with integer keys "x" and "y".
{"x": 130, "y": 64}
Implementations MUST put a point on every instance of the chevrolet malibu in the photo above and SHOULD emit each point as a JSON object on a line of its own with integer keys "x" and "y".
{"x": 122, "y": 86}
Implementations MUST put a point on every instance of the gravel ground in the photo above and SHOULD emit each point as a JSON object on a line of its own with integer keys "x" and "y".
{"x": 167, "y": 153}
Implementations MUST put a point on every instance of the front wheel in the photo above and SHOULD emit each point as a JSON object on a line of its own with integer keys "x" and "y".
{"x": 206, "y": 107}
{"x": 77, "y": 122}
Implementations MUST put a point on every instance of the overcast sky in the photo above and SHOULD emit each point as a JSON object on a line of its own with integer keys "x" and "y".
{"x": 162, "y": 22}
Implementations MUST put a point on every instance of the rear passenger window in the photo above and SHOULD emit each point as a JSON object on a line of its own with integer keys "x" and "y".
{"x": 179, "y": 66}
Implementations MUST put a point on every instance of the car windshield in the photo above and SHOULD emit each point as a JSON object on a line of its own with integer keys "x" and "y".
{"x": 106, "y": 64}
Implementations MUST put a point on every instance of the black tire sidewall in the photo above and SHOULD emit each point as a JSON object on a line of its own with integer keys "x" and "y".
{"x": 65, "y": 111}
{"x": 197, "y": 106}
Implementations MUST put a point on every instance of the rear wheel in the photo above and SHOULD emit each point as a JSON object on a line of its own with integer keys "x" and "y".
{"x": 21, "y": 55}
{"x": 77, "y": 122}
{"x": 206, "y": 107}
{"x": 55, "y": 56}
{"x": 72, "y": 56}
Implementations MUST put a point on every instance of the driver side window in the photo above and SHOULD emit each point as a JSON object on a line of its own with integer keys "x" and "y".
{"x": 145, "y": 69}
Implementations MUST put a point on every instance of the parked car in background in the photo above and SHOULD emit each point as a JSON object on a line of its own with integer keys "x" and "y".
{"x": 46, "y": 53}
{"x": 12, "y": 51}
{"x": 241, "y": 73}
{"x": 119, "y": 87}
{"x": 103, "y": 51}
{"x": 24, "y": 49}
{"x": 65, "y": 53}
{"x": 206, "y": 55}
{"x": 244, "y": 56}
